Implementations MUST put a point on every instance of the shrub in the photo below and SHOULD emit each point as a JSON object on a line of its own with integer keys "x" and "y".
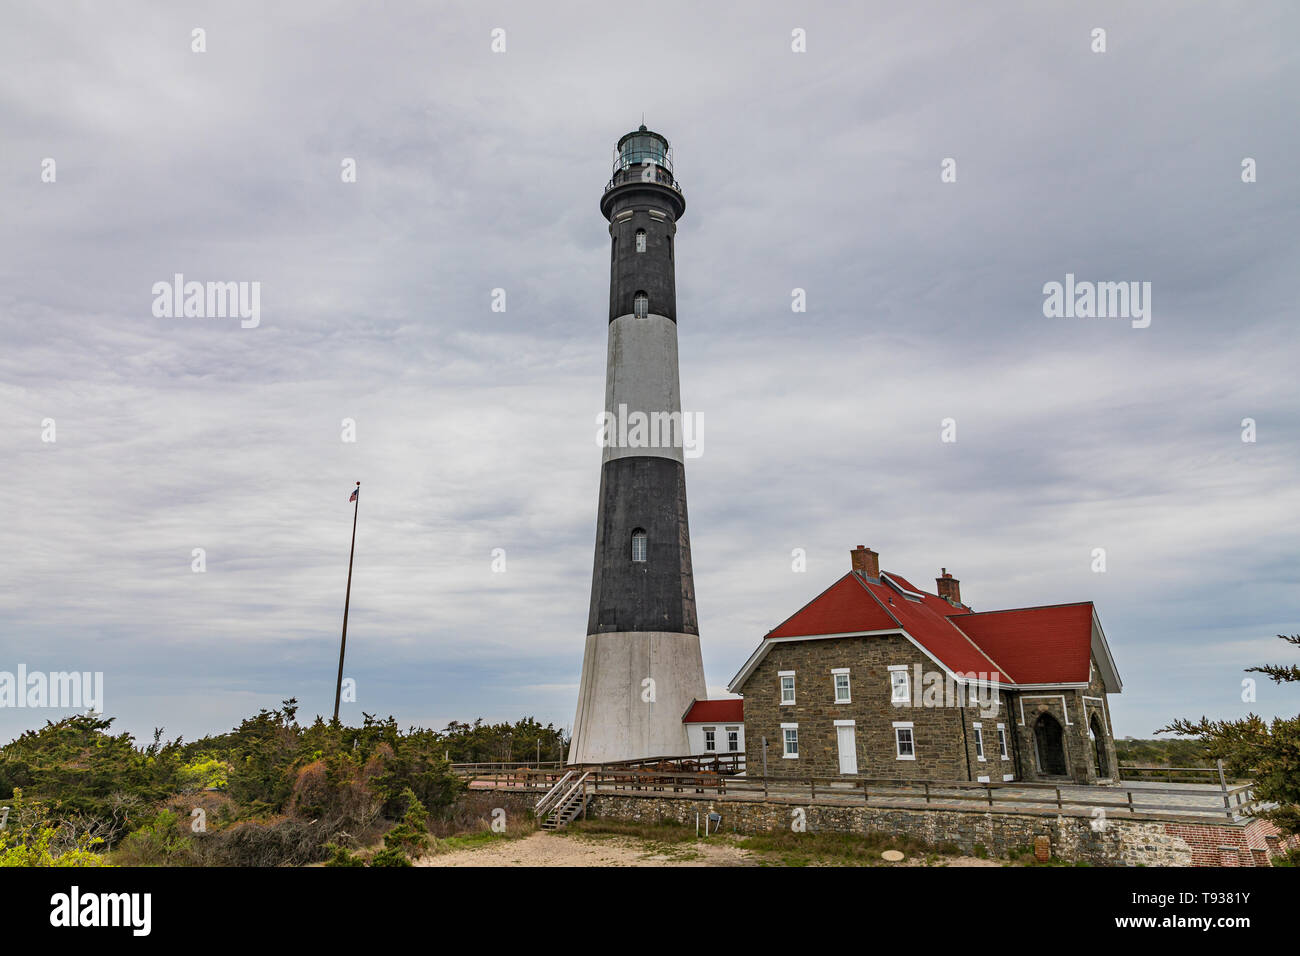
{"x": 29, "y": 838}
{"x": 342, "y": 856}
{"x": 202, "y": 774}
{"x": 390, "y": 856}
{"x": 411, "y": 836}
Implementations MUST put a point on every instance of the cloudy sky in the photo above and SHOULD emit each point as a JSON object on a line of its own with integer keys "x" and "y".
{"x": 481, "y": 170}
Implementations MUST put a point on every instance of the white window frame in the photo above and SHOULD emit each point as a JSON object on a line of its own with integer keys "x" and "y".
{"x": 640, "y": 240}
{"x": 640, "y": 537}
{"x": 785, "y": 742}
{"x": 911, "y": 736}
{"x": 780, "y": 683}
{"x": 979, "y": 741}
{"x": 710, "y": 739}
{"x": 836, "y": 674}
{"x": 733, "y": 739}
{"x": 1002, "y": 742}
{"x": 896, "y": 670}
{"x": 638, "y": 300}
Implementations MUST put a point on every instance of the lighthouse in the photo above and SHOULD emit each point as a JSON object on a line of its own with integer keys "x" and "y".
{"x": 642, "y": 666}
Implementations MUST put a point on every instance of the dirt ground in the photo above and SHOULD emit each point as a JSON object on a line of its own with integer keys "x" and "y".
{"x": 547, "y": 849}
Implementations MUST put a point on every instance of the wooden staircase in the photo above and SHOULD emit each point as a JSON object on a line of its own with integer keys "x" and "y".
{"x": 563, "y": 802}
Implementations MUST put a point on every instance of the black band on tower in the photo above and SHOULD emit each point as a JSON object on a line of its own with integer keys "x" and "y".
{"x": 657, "y": 594}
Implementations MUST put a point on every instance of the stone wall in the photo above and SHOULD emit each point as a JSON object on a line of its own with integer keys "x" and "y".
{"x": 1072, "y": 709}
{"x": 941, "y": 740}
{"x": 1122, "y": 842}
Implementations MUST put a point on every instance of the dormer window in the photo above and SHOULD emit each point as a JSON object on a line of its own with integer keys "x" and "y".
{"x": 639, "y": 545}
{"x": 641, "y": 305}
{"x": 640, "y": 240}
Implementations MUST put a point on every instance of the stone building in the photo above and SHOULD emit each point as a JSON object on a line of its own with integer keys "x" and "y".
{"x": 877, "y": 678}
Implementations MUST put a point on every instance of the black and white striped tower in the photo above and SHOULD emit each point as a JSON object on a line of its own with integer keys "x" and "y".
{"x": 642, "y": 665}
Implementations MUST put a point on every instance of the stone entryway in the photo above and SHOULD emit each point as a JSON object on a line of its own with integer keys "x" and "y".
{"x": 1049, "y": 746}
{"x": 1099, "y": 748}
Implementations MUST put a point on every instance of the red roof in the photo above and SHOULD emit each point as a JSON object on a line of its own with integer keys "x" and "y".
{"x": 933, "y": 631}
{"x": 1041, "y": 645}
{"x": 726, "y": 710}
{"x": 1035, "y": 645}
{"x": 843, "y": 607}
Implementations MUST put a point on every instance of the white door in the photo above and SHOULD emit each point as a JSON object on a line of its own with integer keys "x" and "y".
{"x": 848, "y": 750}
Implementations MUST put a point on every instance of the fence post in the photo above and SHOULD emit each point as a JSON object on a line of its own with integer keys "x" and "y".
{"x": 1223, "y": 786}
{"x": 989, "y": 788}
{"x": 764, "y": 788}
{"x": 1058, "y": 798}
{"x": 812, "y": 785}
{"x": 927, "y": 790}
{"x": 1130, "y": 802}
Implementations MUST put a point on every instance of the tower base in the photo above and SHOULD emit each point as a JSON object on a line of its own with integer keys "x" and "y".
{"x": 616, "y": 718}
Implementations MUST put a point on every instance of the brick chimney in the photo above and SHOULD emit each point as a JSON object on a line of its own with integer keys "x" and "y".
{"x": 865, "y": 561}
{"x": 948, "y": 587}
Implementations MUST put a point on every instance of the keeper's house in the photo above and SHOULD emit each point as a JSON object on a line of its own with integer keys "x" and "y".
{"x": 877, "y": 678}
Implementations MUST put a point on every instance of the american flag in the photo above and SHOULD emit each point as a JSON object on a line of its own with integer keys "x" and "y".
{"x": 355, "y": 491}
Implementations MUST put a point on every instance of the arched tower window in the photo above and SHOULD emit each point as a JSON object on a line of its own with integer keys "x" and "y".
{"x": 640, "y": 240}
{"x": 641, "y": 305}
{"x": 638, "y": 545}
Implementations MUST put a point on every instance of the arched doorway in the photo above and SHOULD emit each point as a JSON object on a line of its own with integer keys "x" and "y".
{"x": 1099, "y": 747}
{"x": 1049, "y": 745}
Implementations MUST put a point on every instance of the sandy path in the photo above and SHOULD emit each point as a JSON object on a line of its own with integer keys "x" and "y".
{"x": 546, "y": 849}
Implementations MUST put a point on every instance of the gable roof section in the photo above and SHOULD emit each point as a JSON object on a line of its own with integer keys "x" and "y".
{"x": 842, "y": 608}
{"x": 936, "y": 635}
{"x": 727, "y": 710}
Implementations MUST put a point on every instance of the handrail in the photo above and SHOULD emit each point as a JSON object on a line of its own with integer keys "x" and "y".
{"x": 544, "y": 803}
{"x": 1230, "y": 801}
{"x": 563, "y": 803}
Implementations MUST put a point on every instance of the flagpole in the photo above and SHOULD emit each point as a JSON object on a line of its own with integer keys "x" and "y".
{"x": 343, "y": 643}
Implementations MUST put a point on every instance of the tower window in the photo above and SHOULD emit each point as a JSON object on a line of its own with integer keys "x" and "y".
{"x": 641, "y": 305}
{"x": 640, "y": 240}
{"x": 638, "y": 545}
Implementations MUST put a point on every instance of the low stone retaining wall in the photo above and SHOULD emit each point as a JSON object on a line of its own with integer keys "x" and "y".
{"x": 1117, "y": 841}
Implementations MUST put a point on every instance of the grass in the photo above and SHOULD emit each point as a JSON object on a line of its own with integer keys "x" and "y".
{"x": 787, "y": 848}
{"x": 662, "y": 833}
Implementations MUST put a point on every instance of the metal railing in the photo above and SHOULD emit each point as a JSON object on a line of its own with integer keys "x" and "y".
{"x": 635, "y": 174}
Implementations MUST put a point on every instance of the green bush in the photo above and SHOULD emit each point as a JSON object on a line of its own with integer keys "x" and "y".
{"x": 159, "y": 842}
{"x": 390, "y": 856}
{"x": 31, "y": 837}
{"x": 342, "y": 856}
